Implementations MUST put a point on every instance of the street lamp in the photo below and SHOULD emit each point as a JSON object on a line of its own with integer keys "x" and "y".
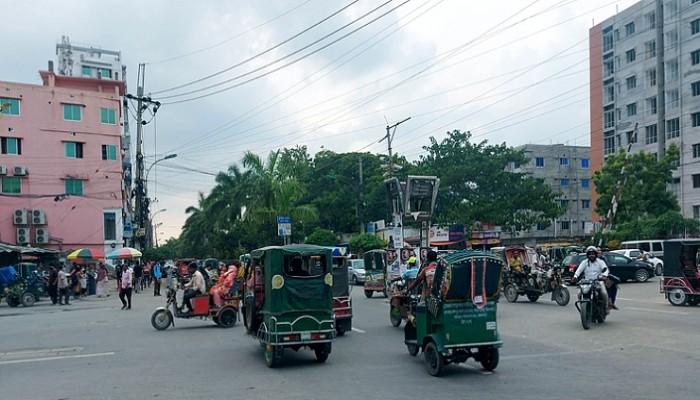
{"x": 148, "y": 171}
{"x": 154, "y": 227}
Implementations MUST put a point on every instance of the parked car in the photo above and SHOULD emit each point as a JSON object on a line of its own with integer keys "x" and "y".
{"x": 619, "y": 265}
{"x": 655, "y": 247}
{"x": 655, "y": 262}
{"x": 356, "y": 271}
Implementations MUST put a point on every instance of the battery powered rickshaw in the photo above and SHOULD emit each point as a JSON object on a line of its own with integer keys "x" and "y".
{"x": 21, "y": 285}
{"x": 342, "y": 303}
{"x": 681, "y": 278}
{"x": 376, "y": 263}
{"x": 288, "y": 300}
{"x": 455, "y": 318}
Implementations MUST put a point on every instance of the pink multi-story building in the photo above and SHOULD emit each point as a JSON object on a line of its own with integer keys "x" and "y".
{"x": 61, "y": 162}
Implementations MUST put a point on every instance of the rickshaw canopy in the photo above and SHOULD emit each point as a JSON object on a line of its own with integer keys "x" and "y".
{"x": 376, "y": 260}
{"x": 678, "y": 252}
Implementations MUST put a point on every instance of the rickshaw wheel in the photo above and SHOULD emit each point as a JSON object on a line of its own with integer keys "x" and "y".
{"x": 694, "y": 300}
{"x": 533, "y": 297}
{"x": 322, "y": 351}
{"x": 433, "y": 359}
{"x": 562, "y": 296}
{"x": 413, "y": 349}
{"x": 13, "y": 301}
{"x": 273, "y": 356}
{"x": 28, "y": 299}
{"x": 488, "y": 357}
{"x": 369, "y": 293}
{"x": 226, "y": 318}
{"x": 161, "y": 319}
{"x": 511, "y": 293}
{"x": 677, "y": 297}
{"x": 395, "y": 316}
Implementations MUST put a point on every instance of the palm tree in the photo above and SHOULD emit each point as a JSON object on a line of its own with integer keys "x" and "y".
{"x": 197, "y": 228}
{"x": 227, "y": 200}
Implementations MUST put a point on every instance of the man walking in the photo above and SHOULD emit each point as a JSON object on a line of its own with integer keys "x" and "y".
{"x": 138, "y": 275}
{"x": 63, "y": 288}
{"x": 127, "y": 285}
{"x": 156, "y": 272}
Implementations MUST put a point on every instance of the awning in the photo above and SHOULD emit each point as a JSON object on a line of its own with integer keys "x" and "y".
{"x": 11, "y": 248}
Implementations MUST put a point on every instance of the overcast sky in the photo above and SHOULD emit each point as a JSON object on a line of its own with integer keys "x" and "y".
{"x": 322, "y": 73}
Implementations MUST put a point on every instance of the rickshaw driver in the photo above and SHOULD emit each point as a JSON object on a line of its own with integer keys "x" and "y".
{"x": 426, "y": 274}
{"x": 195, "y": 286}
{"x": 593, "y": 267}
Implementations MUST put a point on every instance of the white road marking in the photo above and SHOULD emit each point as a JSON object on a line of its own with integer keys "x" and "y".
{"x": 358, "y": 330}
{"x": 111, "y": 353}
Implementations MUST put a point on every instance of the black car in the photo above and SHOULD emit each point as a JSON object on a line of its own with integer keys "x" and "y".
{"x": 621, "y": 266}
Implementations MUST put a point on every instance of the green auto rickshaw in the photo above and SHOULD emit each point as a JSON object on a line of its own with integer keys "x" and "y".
{"x": 456, "y": 317}
{"x": 288, "y": 300}
{"x": 376, "y": 263}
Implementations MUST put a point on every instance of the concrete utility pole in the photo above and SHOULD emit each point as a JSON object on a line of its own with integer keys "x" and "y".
{"x": 389, "y": 137}
{"x": 660, "y": 80}
{"x": 361, "y": 200}
{"x": 141, "y": 202}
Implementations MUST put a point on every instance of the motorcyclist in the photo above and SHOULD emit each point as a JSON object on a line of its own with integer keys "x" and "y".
{"x": 411, "y": 271}
{"x": 592, "y": 268}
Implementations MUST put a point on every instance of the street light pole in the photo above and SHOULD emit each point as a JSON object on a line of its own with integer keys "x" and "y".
{"x": 152, "y": 227}
{"x": 147, "y": 202}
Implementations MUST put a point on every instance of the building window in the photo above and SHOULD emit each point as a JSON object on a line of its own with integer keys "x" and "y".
{"x": 695, "y": 57}
{"x": 650, "y": 134}
{"x": 696, "y": 181}
{"x": 608, "y": 145}
{"x": 585, "y": 163}
{"x": 695, "y": 119}
{"x": 632, "y": 109}
{"x": 585, "y": 183}
{"x": 696, "y": 212}
{"x": 631, "y": 137}
{"x": 109, "y": 152}
{"x": 609, "y": 93}
{"x": 585, "y": 204}
{"x": 696, "y": 150}
{"x": 565, "y": 225}
{"x": 110, "y": 224}
{"x": 673, "y": 128}
{"x": 539, "y": 162}
{"x": 608, "y": 68}
{"x": 564, "y": 161}
{"x": 695, "y": 26}
{"x": 72, "y": 112}
{"x": 672, "y": 99}
{"x": 609, "y": 119}
{"x": 607, "y": 42}
{"x": 650, "y": 20}
{"x": 650, "y": 49}
{"x": 11, "y": 109}
{"x": 695, "y": 88}
{"x": 541, "y": 226}
{"x": 631, "y": 82}
{"x": 11, "y": 146}
{"x": 85, "y": 70}
{"x": 564, "y": 182}
{"x": 73, "y": 149}
{"x": 108, "y": 116}
{"x": 671, "y": 39}
{"x": 564, "y": 203}
{"x": 651, "y": 78}
{"x": 650, "y": 105}
{"x": 630, "y": 55}
{"x": 11, "y": 185}
{"x": 629, "y": 29}
{"x": 74, "y": 187}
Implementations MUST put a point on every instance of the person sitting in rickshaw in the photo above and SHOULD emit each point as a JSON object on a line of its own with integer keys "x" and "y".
{"x": 196, "y": 286}
{"x": 410, "y": 273}
{"x": 425, "y": 275}
{"x": 516, "y": 266}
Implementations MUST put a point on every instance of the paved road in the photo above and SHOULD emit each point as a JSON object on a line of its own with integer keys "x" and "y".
{"x": 647, "y": 350}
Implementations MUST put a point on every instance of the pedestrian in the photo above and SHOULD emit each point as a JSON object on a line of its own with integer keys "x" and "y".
{"x": 127, "y": 285}
{"x": 118, "y": 274}
{"x": 156, "y": 273}
{"x": 146, "y": 281}
{"x": 169, "y": 277}
{"x": 138, "y": 275}
{"x": 91, "y": 280}
{"x": 102, "y": 288}
{"x": 74, "y": 276}
{"x": 52, "y": 287}
{"x": 63, "y": 287}
{"x": 83, "y": 281}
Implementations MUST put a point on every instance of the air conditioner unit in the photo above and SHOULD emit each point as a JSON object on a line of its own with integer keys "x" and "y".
{"x": 20, "y": 217}
{"x": 42, "y": 236}
{"x": 38, "y": 217}
{"x": 22, "y": 235}
{"x": 20, "y": 171}
{"x": 3, "y": 170}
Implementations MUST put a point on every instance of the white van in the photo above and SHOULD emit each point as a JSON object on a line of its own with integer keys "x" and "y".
{"x": 655, "y": 247}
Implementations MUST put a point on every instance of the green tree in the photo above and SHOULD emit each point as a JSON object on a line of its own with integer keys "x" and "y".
{"x": 365, "y": 242}
{"x": 475, "y": 184}
{"x": 322, "y": 237}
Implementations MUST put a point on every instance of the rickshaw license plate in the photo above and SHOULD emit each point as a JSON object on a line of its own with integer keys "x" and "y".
{"x": 305, "y": 336}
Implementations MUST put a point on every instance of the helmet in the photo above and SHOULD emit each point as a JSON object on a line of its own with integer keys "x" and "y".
{"x": 412, "y": 260}
{"x": 591, "y": 249}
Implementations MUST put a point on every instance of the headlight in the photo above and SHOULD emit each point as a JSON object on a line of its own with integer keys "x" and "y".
{"x": 329, "y": 279}
{"x": 277, "y": 281}
{"x": 585, "y": 288}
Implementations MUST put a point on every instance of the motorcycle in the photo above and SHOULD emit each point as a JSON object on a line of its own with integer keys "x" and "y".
{"x": 590, "y": 305}
{"x": 400, "y": 304}
{"x": 550, "y": 281}
{"x": 224, "y": 316}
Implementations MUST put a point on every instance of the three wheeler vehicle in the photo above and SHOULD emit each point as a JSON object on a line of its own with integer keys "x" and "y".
{"x": 342, "y": 303}
{"x": 681, "y": 278}
{"x": 288, "y": 300}
{"x": 376, "y": 263}
{"x": 21, "y": 287}
{"x": 224, "y": 316}
{"x": 456, "y": 318}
